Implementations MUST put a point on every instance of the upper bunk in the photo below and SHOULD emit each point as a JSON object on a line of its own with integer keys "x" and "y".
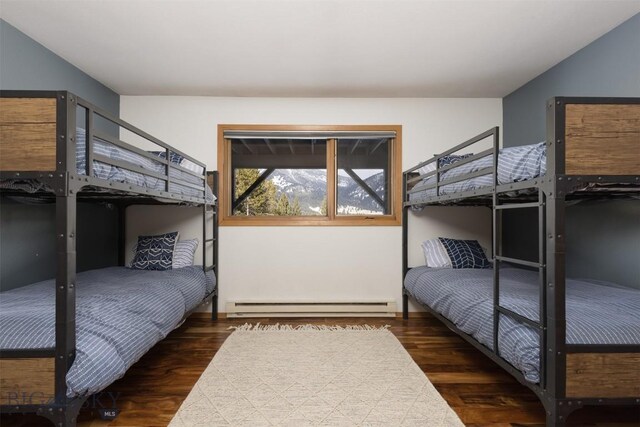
{"x": 592, "y": 150}
{"x": 54, "y": 143}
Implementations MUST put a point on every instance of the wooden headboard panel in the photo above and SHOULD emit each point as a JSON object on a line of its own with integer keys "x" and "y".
{"x": 602, "y": 139}
{"x": 27, "y": 134}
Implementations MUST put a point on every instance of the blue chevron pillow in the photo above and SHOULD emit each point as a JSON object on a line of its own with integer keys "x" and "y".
{"x": 465, "y": 253}
{"x": 155, "y": 252}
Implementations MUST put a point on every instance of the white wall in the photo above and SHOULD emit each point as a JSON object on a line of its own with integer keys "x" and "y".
{"x": 313, "y": 263}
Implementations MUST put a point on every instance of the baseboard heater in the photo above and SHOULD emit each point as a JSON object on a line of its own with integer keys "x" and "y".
{"x": 311, "y": 309}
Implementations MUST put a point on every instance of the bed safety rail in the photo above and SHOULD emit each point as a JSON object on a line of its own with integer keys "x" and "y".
{"x": 424, "y": 180}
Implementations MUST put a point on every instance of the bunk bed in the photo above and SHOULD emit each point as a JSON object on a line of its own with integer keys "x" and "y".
{"x": 67, "y": 338}
{"x": 541, "y": 327}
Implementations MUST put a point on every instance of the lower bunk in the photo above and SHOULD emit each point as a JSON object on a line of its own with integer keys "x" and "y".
{"x": 599, "y": 314}
{"x": 121, "y": 313}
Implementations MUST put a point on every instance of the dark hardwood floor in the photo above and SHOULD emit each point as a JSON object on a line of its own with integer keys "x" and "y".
{"x": 478, "y": 390}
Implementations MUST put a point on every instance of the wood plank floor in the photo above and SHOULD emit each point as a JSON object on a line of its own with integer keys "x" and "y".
{"x": 478, "y": 390}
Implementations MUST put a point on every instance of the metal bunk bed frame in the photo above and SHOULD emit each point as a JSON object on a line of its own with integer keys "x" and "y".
{"x": 68, "y": 187}
{"x": 548, "y": 197}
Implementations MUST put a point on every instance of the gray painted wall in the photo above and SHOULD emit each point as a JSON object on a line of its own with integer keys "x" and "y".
{"x": 603, "y": 239}
{"x": 27, "y": 65}
{"x": 610, "y": 66}
{"x": 27, "y": 248}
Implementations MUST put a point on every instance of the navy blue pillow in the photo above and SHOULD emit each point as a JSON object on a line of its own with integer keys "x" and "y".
{"x": 465, "y": 253}
{"x": 155, "y": 252}
{"x": 452, "y": 158}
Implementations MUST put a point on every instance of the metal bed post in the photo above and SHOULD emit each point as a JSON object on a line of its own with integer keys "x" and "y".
{"x": 405, "y": 260}
{"x": 216, "y": 192}
{"x": 555, "y": 371}
{"x": 496, "y": 231}
{"x": 214, "y": 241}
{"x": 66, "y": 211}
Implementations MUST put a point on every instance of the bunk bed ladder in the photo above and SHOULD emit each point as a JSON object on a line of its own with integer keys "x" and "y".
{"x": 541, "y": 323}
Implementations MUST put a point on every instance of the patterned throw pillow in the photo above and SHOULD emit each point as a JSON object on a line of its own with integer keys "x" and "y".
{"x": 465, "y": 253}
{"x": 452, "y": 158}
{"x": 155, "y": 252}
{"x": 184, "y": 253}
{"x": 435, "y": 255}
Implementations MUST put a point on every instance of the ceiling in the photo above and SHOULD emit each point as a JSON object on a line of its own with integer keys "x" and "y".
{"x": 316, "y": 48}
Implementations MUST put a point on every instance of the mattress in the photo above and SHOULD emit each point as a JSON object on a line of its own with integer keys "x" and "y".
{"x": 113, "y": 173}
{"x": 514, "y": 164}
{"x": 597, "y": 312}
{"x": 120, "y": 314}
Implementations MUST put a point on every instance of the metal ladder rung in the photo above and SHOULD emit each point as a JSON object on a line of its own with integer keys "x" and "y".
{"x": 213, "y": 239}
{"x": 518, "y": 205}
{"x": 519, "y": 317}
{"x": 519, "y": 261}
{"x": 209, "y": 268}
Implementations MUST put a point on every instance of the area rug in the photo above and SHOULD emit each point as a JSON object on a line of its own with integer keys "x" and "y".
{"x": 311, "y": 375}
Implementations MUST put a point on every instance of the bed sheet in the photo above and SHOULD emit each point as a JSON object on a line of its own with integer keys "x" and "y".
{"x": 120, "y": 314}
{"x": 597, "y": 312}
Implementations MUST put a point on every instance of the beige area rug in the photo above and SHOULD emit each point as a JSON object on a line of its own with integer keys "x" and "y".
{"x": 312, "y": 375}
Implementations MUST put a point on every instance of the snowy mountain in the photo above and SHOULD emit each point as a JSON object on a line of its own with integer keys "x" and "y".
{"x": 310, "y": 185}
{"x": 355, "y": 200}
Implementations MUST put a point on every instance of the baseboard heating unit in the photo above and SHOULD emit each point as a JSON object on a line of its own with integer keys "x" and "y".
{"x": 311, "y": 309}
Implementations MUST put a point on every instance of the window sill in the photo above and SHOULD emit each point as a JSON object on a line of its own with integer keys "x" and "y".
{"x": 309, "y": 221}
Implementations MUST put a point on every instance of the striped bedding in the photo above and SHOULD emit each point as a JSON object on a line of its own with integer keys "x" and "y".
{"x": 514, "y": 164}
{"x": 120, "y": 314}
{"x": 597, "y": 313}
{"x": 114, "y": 173}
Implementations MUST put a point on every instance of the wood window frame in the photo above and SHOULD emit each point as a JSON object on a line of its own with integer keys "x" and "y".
{"x": 224, "y": 167}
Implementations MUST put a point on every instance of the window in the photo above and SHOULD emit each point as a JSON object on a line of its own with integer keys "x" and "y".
{"x": 309, "y": 175}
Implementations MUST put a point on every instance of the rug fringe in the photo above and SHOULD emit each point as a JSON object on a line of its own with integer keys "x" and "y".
{"x": 308, "y": 327}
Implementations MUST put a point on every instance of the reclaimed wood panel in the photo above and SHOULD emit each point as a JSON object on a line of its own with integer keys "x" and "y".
{"x": 26, "y": 381}
{"x": 603, "y": 375}
{"x": 602, "y": 139}
{"x": 27, "y": 110}
{"x": 28, "y": 147}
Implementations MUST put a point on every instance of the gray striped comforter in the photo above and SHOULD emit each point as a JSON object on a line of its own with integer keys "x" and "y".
{"x": 514, "y": 164}
{"x": 121, "y": 313}
{"x": 597, "y": 313}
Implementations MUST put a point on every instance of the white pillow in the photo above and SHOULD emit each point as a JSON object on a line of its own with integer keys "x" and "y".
{"x": 435, "y": 255}
{"x": 427, "y": 168}
{"x": 184, "y": 253}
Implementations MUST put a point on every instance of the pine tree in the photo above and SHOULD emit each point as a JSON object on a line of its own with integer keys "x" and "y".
{"x": 262, "y": 201}
{"x": 283, "y": 206}
{"x": 323, "y": 206}
{"x": 295, "y": 207}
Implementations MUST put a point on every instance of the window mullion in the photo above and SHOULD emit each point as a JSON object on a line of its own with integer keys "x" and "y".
{"x": 331, "y": 179}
